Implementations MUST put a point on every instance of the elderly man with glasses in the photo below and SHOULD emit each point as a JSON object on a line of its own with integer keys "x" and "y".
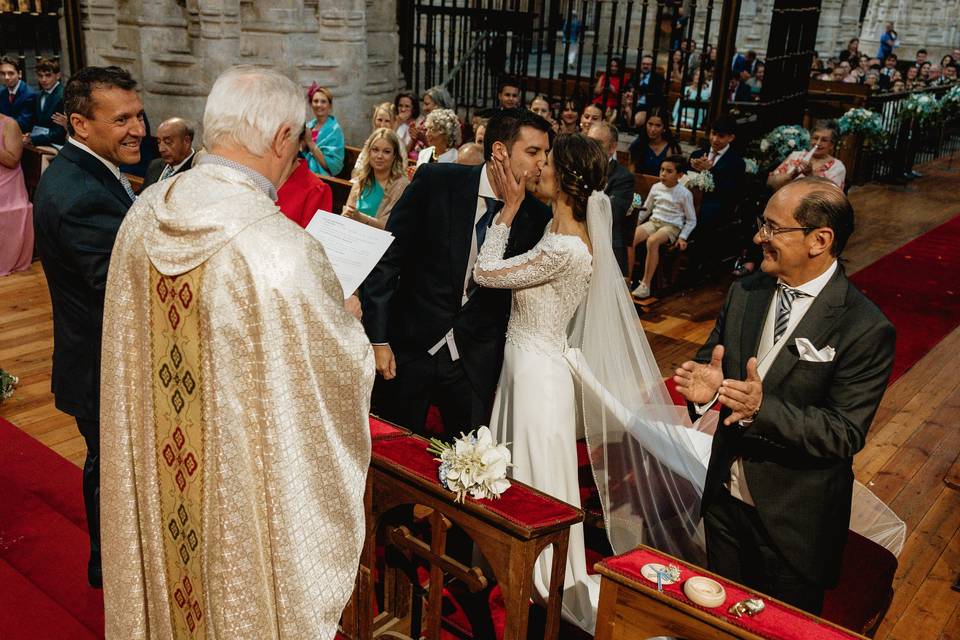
{"x": 798, "y": 362}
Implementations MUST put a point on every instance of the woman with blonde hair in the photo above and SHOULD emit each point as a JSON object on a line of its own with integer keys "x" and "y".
{"x": 384, "y": 116}
{"x": 379, "y": 180}
{"x": 325, "y": 144}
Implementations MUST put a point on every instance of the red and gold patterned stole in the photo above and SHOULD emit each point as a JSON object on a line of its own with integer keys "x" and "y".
{"x": 179, "y": 430}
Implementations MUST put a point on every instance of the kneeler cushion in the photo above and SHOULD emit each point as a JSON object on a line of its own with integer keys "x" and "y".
{"x": 865, "y": 587}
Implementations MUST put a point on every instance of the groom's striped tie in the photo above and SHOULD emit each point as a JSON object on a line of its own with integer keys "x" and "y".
{"x": 785, "y": 299}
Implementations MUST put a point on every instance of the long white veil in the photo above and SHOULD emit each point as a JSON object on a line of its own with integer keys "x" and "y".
{"x": 649, "y": 462}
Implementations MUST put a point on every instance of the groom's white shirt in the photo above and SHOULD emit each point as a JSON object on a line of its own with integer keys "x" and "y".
{"x": 485, "y": 191}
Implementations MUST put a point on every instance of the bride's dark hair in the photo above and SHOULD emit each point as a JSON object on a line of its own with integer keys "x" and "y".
{"x": 580, "y": 164}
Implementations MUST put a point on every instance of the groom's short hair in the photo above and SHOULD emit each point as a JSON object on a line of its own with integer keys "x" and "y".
{"x": 505, "y": 124}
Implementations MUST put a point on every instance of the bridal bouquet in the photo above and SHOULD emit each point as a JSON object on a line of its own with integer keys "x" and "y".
{"x": 865, "y": 123}
{"x": 702, "y": 181}
{"x": 7, "y": 383}
{"x": 473, "y": 464}
{"x": 922, "y": 107}
{"x": 781, "y": 142}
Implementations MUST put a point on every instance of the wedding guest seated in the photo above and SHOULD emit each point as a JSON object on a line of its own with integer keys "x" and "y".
{"x": 325, "y": 144}
{"x": 443, "y": 135}
{"x": 175, "y": 143}
{"x": 592, "y": 114}
{"x": 379, "y": 182}
{"x": 925, "y": 72}
{"x": 818, "y": 161}
{"x": 470, "y": 153}
{"x": 872, "y": 79}
{"x": 626, "y": 119}
{"x": 950, "y": 73}
{"x": 508, "y": 94}
{"x": 912, "y": 78}
{"x": 17, "y": 98}
{"x": 650, "y": 89}
{"x": 45, "y": 131}
{"x": 619, "y": 189}
{"x": 569, "y": 117}
{"x": 608, "y": 84}
{"x": 756, "y": 81}
{"x": 654, "y": 143}
{"x": 693, "y": 108}
{"x": 935, "y": 76}
{"x": 672, "y": 219}
{"x": 16, "y": 212}
{"x": 301, "y": 193}
{"x": 384, "y": 116}
{"x": 541, "y": 106}
{"x": 852, "y": 51}
{"x": 435, "y": 97}
{"x": 729, "y": 172}
{"x": 408, "y": 110}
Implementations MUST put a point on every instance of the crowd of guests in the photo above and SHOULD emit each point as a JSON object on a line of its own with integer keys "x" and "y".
{"x": 886, "y": 71}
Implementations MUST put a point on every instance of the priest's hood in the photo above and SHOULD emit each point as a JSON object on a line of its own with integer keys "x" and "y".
{"x": 193, "y": 214}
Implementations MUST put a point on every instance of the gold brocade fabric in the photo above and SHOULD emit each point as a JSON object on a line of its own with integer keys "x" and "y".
{"x": 277, "y": 421}
{"x": 178, "y": 415}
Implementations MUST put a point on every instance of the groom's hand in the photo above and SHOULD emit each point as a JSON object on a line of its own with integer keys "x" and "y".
{"x": 699, "y": 383}
{"x": 386, "y": 363}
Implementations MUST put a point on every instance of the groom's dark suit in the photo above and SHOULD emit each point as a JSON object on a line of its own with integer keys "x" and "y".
{"x": 414, "y": 297}
{"x": 797, "y": 453}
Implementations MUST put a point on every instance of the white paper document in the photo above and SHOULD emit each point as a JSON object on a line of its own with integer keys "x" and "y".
{"x": 352, "y": 247}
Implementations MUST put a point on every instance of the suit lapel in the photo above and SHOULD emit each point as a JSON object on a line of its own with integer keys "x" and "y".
{"x": 98, "y": 170}
{"x": 758, "y": 301}
{"x": 817, "y": 323}
{"x": 461, "y": 214}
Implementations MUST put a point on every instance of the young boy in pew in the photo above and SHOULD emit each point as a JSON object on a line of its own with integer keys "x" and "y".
{"x": 672, "y": 218}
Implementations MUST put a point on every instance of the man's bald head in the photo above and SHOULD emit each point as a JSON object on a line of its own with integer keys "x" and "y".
{"x": 175, "y": 140}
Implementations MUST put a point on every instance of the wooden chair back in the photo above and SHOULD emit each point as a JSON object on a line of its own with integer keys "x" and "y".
{"x": 350, "y": 155}
{"x": 341, "y": 191}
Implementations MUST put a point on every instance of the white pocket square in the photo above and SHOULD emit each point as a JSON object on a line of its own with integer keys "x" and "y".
{"x": 809, "y": 353}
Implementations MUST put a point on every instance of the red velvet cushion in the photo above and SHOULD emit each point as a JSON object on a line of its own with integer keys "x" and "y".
{"x": 865, "y": 588}
{"x": 777, "y": 621}
{"x": 380, "y": 430}
{"x": 519, "y": 504}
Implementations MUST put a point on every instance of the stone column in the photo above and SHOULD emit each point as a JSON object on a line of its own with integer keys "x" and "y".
{"x": 177, "y": 48}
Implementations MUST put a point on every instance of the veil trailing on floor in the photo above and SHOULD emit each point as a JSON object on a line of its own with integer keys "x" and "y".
{"x": 649, "y": 461}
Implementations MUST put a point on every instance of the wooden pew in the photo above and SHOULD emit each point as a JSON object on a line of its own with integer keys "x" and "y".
{"x": 33, "y": 162}
{"x": 350, "y": 155}
{"x": 341, "y": 191}
{"x": 510, "y": 533}
{"x": 631, "y": 607}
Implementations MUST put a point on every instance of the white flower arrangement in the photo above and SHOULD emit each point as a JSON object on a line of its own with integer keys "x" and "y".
{"x": 921, "y": 107}
{"x": 473, "y": 464}
{"x": 865, "y": 123}
{"x": 751, "y": 166}
{"x": 7, "y": 383}
{"x": 781, "y": 142}
{"x": 702, "y": 181}
{"x": 950, "y": 102}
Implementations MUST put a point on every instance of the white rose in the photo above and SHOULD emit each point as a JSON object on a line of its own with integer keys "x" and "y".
{"x": 791, "y": 143}
{"x": 764, "y": 145}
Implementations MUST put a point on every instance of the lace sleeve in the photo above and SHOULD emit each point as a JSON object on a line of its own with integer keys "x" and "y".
{"x": 526, "y": 270}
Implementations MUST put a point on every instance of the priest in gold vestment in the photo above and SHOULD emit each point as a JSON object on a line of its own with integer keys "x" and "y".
{"x": 235, "y": 397}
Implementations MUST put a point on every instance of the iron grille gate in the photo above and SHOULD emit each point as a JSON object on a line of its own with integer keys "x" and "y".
{"x": 470, "y": 45}
{"x": 30, "y": 29}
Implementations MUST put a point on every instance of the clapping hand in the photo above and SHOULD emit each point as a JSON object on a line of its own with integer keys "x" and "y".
{"x": 59, "y": 119}
{"x": 742, "y": 397}
{"x": 701, "y": 164}
{"x": 512, "y": 190}
{"x": 805, "y": 167}
{"x": 699, "y": 383}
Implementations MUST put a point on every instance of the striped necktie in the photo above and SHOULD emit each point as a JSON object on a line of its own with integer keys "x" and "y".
{"x": 785, "y": 299}
{"x": 128, "y": 188}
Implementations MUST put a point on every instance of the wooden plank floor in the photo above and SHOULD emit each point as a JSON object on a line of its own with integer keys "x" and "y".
{"x": 911, "y": 446}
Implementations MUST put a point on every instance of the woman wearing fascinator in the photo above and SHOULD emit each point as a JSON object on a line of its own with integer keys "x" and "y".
{"x": 577, "y": 364}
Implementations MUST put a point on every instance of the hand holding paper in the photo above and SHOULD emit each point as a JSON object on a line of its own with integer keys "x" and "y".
{"x": 352, "y": 247}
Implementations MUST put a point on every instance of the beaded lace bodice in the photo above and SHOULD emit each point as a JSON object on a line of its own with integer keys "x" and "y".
{"x": 549, "y": 282}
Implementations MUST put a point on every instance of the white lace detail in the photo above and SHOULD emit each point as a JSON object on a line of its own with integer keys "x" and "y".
{"x": 549, "y": 282}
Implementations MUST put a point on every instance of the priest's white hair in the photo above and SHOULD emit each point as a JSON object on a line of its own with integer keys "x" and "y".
{"x": 248, "y": 105}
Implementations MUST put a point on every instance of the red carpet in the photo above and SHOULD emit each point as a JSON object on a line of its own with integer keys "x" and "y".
{"x": 918, "y": 288}
{"x": 43, "y": 545}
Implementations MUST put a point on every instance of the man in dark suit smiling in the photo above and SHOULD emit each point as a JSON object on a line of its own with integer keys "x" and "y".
{"x": 798, "y": 360}
{"x": 80, "y": 202}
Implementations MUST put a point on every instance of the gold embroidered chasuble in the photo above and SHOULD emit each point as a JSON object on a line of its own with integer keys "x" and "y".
{"x": 234, "y": 405}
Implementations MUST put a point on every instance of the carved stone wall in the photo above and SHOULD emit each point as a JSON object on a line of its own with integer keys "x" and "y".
{"x": 933, "y": 25}
{"x": 177, "y": 48}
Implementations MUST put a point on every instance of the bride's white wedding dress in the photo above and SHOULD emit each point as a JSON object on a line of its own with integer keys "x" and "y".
{"x": 535, "y": 410}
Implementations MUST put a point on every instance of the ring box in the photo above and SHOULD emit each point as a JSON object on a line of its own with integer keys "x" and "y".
{"x": 704, "y": 591}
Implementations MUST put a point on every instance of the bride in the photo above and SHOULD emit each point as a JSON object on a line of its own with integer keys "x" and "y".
{"x": 576, "y": 361}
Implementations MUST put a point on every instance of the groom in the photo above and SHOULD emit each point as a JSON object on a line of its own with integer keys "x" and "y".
{"x": 437, "y": 337}
{"x": 798, "y": 360}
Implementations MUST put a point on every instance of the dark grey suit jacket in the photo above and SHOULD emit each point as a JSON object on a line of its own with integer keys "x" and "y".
{"x": 620, "y": 184}
{"x": 156, "y": 167}
{"x": 798, "y": 453}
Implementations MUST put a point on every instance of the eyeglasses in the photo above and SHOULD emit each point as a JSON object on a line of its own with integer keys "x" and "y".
{"x": 767, "y": 232}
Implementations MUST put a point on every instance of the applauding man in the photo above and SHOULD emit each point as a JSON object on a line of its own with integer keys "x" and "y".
{"x": 798, "y": 360}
